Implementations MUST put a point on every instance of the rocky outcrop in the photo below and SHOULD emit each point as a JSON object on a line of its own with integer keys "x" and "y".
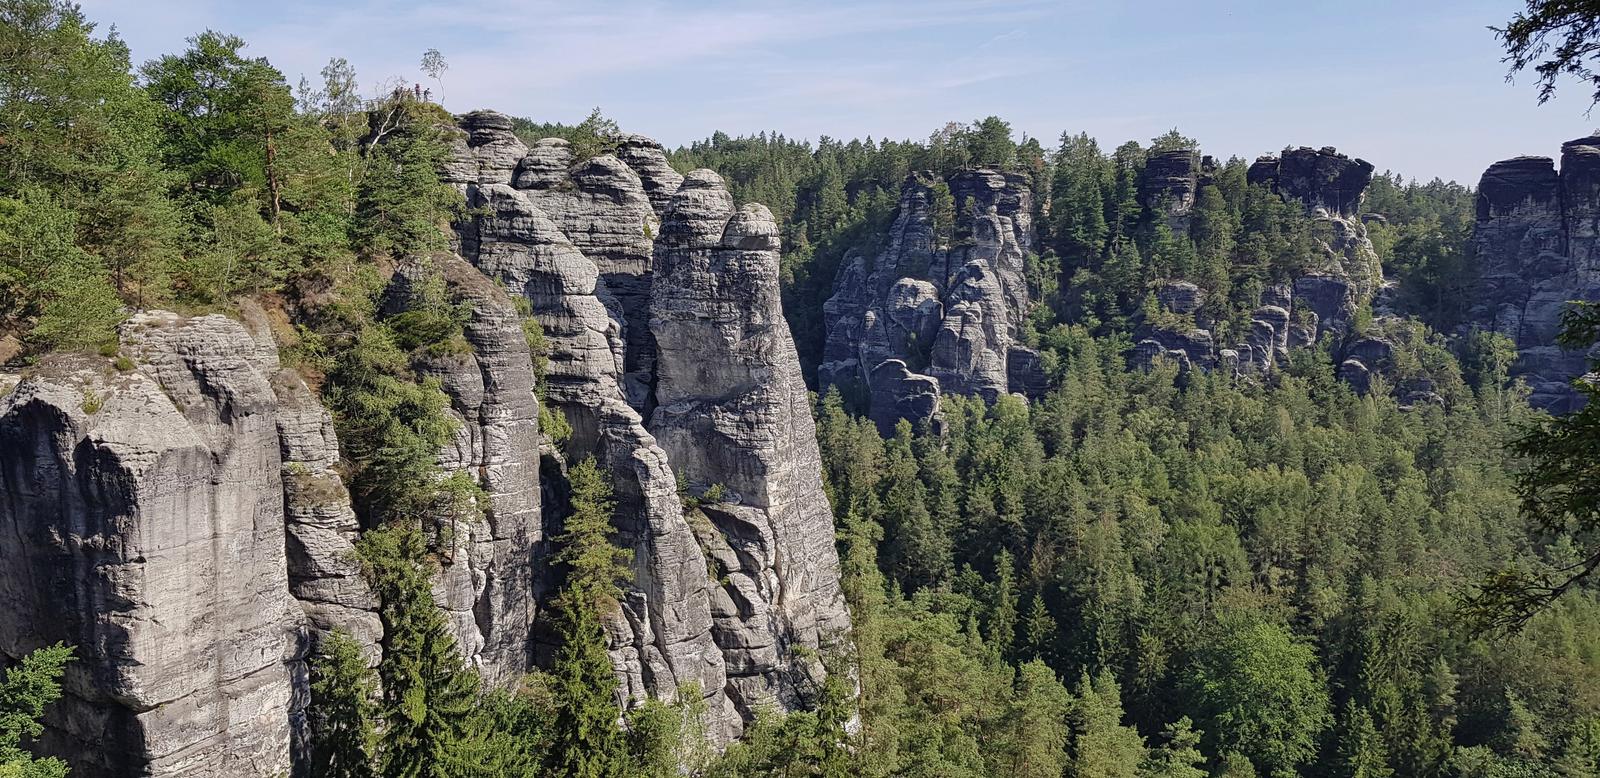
{"x": 649, "y": 161}
{"x": 581, "y": 241}
{"x": 144, "y": 522}
{"x": 320, "y": 526}
{"x": 1535, "y": 241}
{"x": 950, "y": 313}
{"x": 601, "y": 205}
{"x": 1345, "y": 277}
{"x": 1169, "y": 185}
{"x": 662, "y": 639}
{"x": 488, "y": 580}
{"x": 732, "y": 410}
{"x": 1320, "y": 178}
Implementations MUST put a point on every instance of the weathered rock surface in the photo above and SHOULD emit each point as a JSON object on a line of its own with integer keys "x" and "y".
{"x": 662, "y": 640}
{"x": 732, "y": 409}
{"x": 488, "y": 577}
{"x": 185, "y": 524}
{"x": 581, "y": 241}
{"x": 144, "y": 522}
{"x": 486, "y": 151}
{"x": 1319, "y": 178}
{"x": 951, "y": 316}
{"x": 1536, "y": 236}
{"x": 649, "y": 161}
{"x": 601, "y": 205}
{"x": 1169, "y": 185}
{"x": 321, "y": 526}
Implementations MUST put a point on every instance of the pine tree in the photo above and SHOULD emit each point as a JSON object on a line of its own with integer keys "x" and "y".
{"x": 1037, "y": 723}
{"x": 1078, "y": 221}
{"x": 1039, "y": 630}
{"x": 342, "y": 710}
{"x": 429, "y": 696}
{"x": 1179, "y": 755}
{"x": 919, "y": 553}
{"x": 1002, "y": 627}
{"x": 1102, "y": 747}
{"x": 1213, "y": 230}
{"x": 1361, "y": 751}
{"x": 25, "y": 692}
{"x": 587, "y": 741}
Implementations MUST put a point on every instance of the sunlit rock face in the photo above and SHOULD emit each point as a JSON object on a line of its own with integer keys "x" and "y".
{"x": 670, "y": 358}
{"x": 944, "y": 311}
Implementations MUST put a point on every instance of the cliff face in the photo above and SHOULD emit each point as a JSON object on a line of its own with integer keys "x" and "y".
{"x": 183, "y": 521}
{"x": 144, "y": 522}
{"x": 742, "y": 420}
{"x": 487, "y": 582}
{"x": 1535, "y": 241}
{"x": 661, "y": 308}
{"x": 928, "y": 315}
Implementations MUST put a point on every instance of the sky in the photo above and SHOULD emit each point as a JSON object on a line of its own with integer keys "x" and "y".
{"x": 1413, "y": 86}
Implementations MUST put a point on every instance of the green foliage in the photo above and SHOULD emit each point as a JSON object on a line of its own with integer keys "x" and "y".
{"x": 1556, "y": 38}
{"x": 1174, "y": 535}
{"x": 401, "y": 204}
{"x": 343, "y": 715}
{"x": 429, "y": 695}
{"x": 590, "y": 138}
{"x": 1560, "y": 495}
{"x": 587, "y": 742}
{"x": 1102, "y": 746}
{"x": 25, "y": 691}
{"x": 1259, "y": 693}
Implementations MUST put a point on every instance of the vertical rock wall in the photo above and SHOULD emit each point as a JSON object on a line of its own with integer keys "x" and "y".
{"x": 1536, "y": 245}
{"x": 732, "y": 410}
{"x": 488, "y": 577}
{"x": 578, "y": 239}
{"x": 143, "y": 521}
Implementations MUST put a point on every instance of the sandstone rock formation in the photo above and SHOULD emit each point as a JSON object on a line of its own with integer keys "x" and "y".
{"x": 1320, "y": 178}
{"x": 664, "y": 641}
{"x": 488, "y": 581}
{"x": 183, "y": 521}
{"x": 581, "y": 241}
{"x": 732, "y": 410}
{"x": 144, "y": 522}
{"x": 948, "y": 313}
{"x": 1347, "y": 275}
{"x": 1169, "y": 184}
{"x": 1536, "y": 244}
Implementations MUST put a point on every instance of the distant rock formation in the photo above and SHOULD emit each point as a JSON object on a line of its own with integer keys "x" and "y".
{"x": 1320, "y": 178}
{"x": 946, "y": 316}
{"x": 1169, "y": 184}
{"x": 1536, "y": 245}
{"x": 1322, "y": 303}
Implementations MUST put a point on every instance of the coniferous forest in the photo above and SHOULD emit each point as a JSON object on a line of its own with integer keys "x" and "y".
{"x": 1146, "y": 570}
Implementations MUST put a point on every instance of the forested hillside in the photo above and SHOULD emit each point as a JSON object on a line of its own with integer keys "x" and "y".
{"x": 1139, "y": 561}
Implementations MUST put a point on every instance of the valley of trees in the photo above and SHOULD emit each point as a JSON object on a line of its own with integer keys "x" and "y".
{"x": 1134, "y": 577}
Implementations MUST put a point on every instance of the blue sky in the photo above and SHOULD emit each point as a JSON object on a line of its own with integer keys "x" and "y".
{"x": 1415, "y": 86}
